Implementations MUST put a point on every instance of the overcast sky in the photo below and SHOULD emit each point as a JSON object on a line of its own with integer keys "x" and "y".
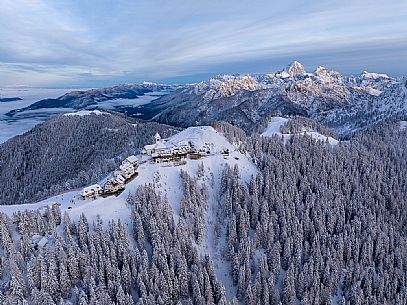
{"x": 100, "y": 42}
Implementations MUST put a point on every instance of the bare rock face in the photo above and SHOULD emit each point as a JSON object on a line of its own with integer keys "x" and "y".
{"x": 225, "y": 86}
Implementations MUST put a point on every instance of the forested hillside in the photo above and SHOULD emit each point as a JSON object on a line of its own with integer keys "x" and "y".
{"x": 319, "y": 224}
{"x": 68, "y": 152}
{"x": 176, "y": 153}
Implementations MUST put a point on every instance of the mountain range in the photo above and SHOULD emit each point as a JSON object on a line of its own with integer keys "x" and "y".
{"x": 295, "y": 193}
{"x": 93, "y": 97}
{"x": 344, "y": 103}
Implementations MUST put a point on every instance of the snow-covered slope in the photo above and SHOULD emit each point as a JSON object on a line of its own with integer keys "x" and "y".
{"x": 343, "y": 103}
{"x": 84, "y": 112}
{"x": 320, "y": 137}
{"x": 200, "y": 136}
{"x": 165, "y": 178}
{"x": 274, "y": 128}
{"x": 168, "y": 182}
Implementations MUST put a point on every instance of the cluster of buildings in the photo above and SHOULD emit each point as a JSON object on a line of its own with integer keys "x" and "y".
{"x": 162, "y": 152}
{"x": 115, "y": 184}
{"x": 159, "y": 152}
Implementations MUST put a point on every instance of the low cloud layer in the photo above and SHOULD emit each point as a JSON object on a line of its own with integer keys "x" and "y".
{"x": 98, "y": 42}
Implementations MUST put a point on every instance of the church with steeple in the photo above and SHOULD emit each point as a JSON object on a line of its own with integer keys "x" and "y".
{"x": 158, "y": 147}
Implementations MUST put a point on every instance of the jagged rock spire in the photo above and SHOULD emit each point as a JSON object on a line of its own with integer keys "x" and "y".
{"x": 295, "y": 69}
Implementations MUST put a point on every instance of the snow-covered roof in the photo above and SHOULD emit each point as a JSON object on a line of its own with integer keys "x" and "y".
{"x": 91, "y": 188}
{"x": 126, "y": 166}
{"x": 120, "y": 179}
{"x": 149, "y": 146}
{"x": 132, "y": 159}
{"x": 117, "y": 179}
{"x": 160, "y": 146}
{"x": 155, "y": 146}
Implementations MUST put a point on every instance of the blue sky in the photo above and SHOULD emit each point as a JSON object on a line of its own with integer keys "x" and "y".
{"x": 100, "y": 42}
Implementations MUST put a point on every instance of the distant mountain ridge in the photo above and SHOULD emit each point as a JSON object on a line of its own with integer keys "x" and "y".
{"x": 84, "y": 99}
{"x": 10, "y": 99}
{"x": 344, "y": 103}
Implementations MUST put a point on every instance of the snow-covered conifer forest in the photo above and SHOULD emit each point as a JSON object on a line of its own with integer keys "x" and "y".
{"x": 287, "y": 188}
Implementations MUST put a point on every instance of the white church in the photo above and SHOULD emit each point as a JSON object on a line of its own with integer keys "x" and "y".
{"x": 158, "y": 147}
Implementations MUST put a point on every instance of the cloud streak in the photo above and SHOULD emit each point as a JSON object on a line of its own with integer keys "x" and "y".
{"x": 103, "y": 42}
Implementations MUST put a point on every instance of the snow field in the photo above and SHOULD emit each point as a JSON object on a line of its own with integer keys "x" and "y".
{"x": 276, "y": 123}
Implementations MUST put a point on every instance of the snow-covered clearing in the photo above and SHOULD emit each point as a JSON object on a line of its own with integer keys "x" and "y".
{"x": 84, "y": 112}
{"x": 274, "y": 128}
{"x": 373, "y": 91}
{"x": 321, "y": 137}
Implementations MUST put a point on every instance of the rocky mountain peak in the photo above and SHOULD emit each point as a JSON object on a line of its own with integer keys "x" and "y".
{"x": 292, "y": 70}
{"x": 295, "y": 69}
{"x": 327, "y": 76}
{"x": 226, "y": 86}
{"x": 369, "y": 75}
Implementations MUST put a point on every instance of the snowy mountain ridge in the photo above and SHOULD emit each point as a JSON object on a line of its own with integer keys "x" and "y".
{"x": 224, "y": 86}
{"x": 344, "y": 103}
